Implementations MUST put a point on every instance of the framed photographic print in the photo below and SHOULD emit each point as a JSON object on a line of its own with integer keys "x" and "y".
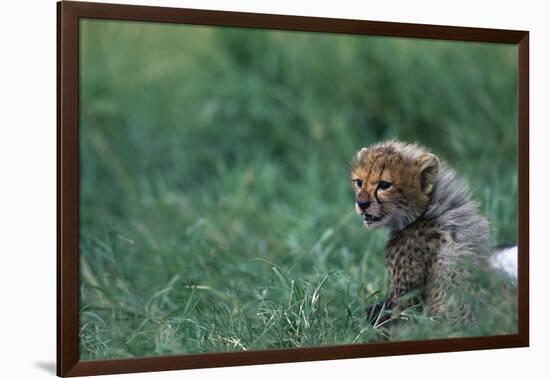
{"x": 238, "y": 188}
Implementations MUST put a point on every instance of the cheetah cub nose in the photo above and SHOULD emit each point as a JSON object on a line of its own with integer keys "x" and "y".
{"x": 363, "y": 204}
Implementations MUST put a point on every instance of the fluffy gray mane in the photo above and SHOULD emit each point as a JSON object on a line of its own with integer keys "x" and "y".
{"x": 455, "y": 211}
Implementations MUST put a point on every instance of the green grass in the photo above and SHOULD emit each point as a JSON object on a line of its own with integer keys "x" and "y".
{"x": 215, "y": 204}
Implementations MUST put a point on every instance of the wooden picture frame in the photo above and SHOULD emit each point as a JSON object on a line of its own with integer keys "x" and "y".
{"x": 69, "y": 13}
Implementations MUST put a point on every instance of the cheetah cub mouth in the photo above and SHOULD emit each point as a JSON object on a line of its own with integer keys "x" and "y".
{"x": 370, "y": 220}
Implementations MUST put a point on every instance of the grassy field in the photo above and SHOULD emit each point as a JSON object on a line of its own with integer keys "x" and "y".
{"x": 215, "y": 203}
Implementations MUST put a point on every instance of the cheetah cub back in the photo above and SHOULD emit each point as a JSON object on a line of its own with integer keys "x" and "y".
{"x": 436, "y": 234}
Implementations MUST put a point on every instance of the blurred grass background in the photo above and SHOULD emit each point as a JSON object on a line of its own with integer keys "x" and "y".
{"x": 215, "y": 203}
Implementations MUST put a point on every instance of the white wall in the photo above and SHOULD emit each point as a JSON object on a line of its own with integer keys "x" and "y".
{"x": 27, "y": 211}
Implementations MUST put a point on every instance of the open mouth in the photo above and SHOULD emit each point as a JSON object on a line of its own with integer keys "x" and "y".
{"x": 371, "y": 218}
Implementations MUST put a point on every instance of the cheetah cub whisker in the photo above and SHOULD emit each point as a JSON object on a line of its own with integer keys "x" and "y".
{"x": 436, "y": 233}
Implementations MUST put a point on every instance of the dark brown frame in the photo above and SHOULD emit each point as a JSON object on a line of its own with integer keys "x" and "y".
{"x": 68, "y": 15}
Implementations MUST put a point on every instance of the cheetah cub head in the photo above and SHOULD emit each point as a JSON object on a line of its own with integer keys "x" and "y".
{"x": 393, "y": 182}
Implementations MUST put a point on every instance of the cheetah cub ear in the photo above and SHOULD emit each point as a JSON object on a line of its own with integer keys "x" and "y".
{"x": 361, "y": 153}
{"x": 429, "y": 168}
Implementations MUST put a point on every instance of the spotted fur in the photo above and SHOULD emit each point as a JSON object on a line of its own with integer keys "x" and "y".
{"x": 436, "y": 232}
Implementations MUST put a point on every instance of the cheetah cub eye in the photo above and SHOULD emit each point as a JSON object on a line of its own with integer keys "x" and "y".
{"x": 358, "y": 182}
{"x": 384, "y": 185}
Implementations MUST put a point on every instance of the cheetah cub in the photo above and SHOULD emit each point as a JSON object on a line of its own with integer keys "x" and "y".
{"x": 436, "y": 234}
